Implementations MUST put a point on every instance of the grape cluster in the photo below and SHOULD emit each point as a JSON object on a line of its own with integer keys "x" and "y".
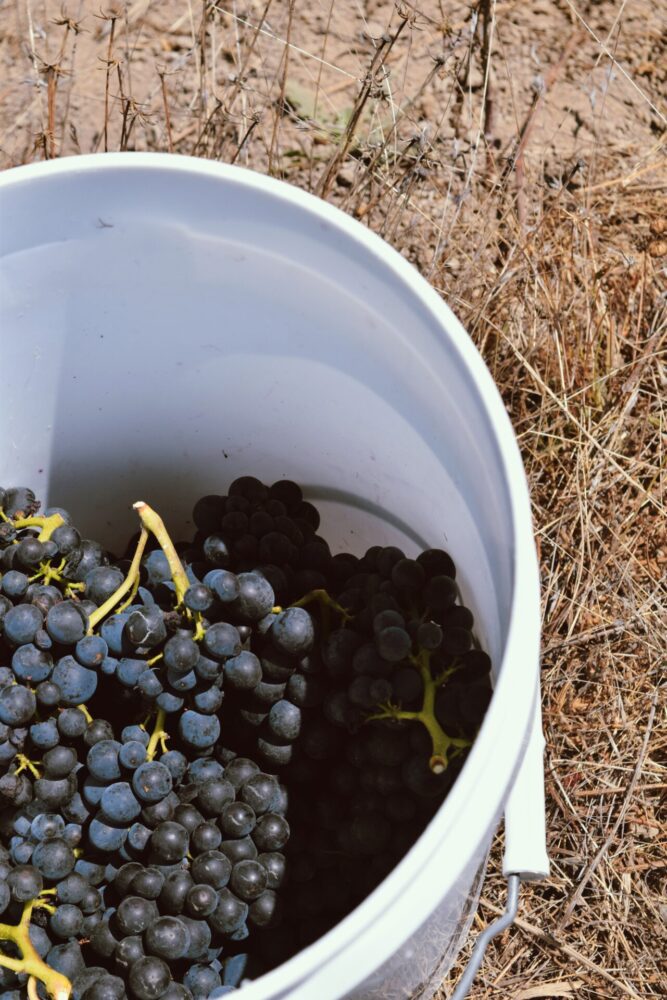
{"x": 210, "y": 752}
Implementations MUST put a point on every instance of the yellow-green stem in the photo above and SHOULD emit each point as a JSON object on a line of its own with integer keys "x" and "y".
{"x": 47, "y": 524}
{"x": 159, "y": 735}
{"x": 82, "y": 708}
{"x": 30, "y": 964}
{"x": 153, "y": 522}
{"x": 323, "y": 598}
{"x": 25, "y": 763}
{"x": 442, "y": 745}
{"x": 132, "y": 576}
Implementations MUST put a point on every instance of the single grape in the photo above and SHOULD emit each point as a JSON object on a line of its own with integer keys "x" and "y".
{"x": 104, "y": 837}
{"x": 46, "y": 826}
{"x": 118, "y": 802}
{"x": 176, "y": 763}
{"x": 21, "y": 623}
{"x": 198, "y": 597}
{"x": 72, "y": 722}
{"x": 25, "y": 882}
{"x": 134, "y": 915}
{"x": 216, "y": 551}
{"x": 105, "y": 988}
{"x": 208, "y": 702}
{"x": 67, "y": 538}
{"x": 102, "y": 761}
{"x": 71, "y": 889}
{"x": 151, "y": 781}
{"x": 132, "y": 754}
{"x": 201, "y": 901}
{"x": 66, "y": 959}
{"x": 147, "y": 883}
{"x": 129, "y": 670}
{"x": 237, "y": 819}
{"x": 211, "y": 868}
{"x": 181, "y": 653}
{"x": 201, "y": 980}
{"x": 206, "y": 837}
{"x": 169, "y": 842}
{"x": 203, "y": 768}
{"x": 292, "y": 632}
{"x": 77, "y": 684}
{"x": 45, "y": 735}
{"x": 101, "y": 582}
{"x": 271, "y": 832}
{"x": 243, "y": 672}
{"x": 66, "y": 623}
{"x": 128, "y": 950}
{"x": 17, "y": 705}
{"x": 248, "y": 880}
{"x": 138, "y": 836}
{"x": 199, "y": 731}
{"x": 274, "y": 865}
{"x": 221, "y": 641}
{"x": 15, "y": 584}
{"x": 229, "y": 914}
{"x": 31, "y": 664}
{"x": 166, "y": 938}
{"x": 67, "y": 921}
{"x": 264, "y": 911}
{"x": 285, "y": 721}
{"x": 150, "y": 685}
{"x": 149, "y": 978}
{"x": 213, "y": 795}
{"x": 174, "y": 892}
{"x": 437, "y": 563}
{"x": 54, "y": 859}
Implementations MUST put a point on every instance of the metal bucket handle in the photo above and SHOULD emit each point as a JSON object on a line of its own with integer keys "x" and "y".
{"x": 525, "y": 857}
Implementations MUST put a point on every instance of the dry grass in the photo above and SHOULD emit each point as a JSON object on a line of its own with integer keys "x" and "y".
{"x": 515, "y": 152}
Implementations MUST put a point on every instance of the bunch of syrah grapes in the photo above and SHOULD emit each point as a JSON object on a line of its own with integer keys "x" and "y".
{"x": 211, "y": 752}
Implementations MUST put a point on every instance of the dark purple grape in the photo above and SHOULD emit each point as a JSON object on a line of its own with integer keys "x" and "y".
{"x": 149, "y": 978}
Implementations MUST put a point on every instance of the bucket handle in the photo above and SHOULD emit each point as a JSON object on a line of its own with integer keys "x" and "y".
{"x": 525, "y": 856}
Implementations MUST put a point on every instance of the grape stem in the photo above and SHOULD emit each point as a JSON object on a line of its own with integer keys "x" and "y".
{"x": 327, "y": 604}
{"x": 152, "y": 522}
{"x": 128, "y": 583}
{"x": 82, "y": 708}
{"x": 47, "y": 525}
{"x": 25, "y": 763}
{"x": 159, "y": 735}
{"x": 443, "y": 746}
{"x": 30, "y": 964}
{"x": 49, "y": 572}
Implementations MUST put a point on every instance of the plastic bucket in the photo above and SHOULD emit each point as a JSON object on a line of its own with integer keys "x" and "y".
{"x": 168, "y": 324}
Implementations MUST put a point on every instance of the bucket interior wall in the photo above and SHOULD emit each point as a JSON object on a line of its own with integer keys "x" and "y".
{"x": 156, "y": 348}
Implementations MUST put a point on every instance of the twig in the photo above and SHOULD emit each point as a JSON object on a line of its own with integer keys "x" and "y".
{"x": 170, "y": 140}
{"x": 381, "y": 53}
{"x": 516, "y": 161}
{"x": 571, "y": 953}
{"x": 283, "y": 84}
{"x": 578, "y": 893}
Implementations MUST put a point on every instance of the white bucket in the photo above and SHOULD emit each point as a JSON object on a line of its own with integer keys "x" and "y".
{"x": 168, "y": 324}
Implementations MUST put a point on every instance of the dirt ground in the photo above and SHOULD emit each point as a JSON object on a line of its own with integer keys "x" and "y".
{"x": 515, "y": 153}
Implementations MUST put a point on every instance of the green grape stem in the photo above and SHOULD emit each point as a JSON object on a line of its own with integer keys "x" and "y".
{"x": 443, "y": 746}
{"x": 47, "y": 525}
{"x": 152, "y": 522}
{"x": 159, "y": 735}
{"x": 30, "y": 964}
{"x": 324, "y": 600}
{"x": 130, "y": 581}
